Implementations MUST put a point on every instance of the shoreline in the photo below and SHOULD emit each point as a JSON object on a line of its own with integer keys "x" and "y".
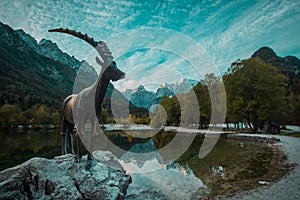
{"x": 286, "y": 186}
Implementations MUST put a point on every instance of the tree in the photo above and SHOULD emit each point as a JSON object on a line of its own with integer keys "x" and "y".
{"x": 217, "y": 97}
{"x": 104, "y": 116}
{"x": 28, "y": 115}
{"x": 202, "y": 93}
{"x": 189, "y": 108}
{"x": 55, "y": 118}
{"x": 9, "y": 115}
{"x": 42, "y": 117}
{"x": 296, "y": 111}
{"x": 255, "y": 93}
{"x": 294, "y": 104}
{"x": 159, "y": 117}
{"x": 131, "y": 118}
{"x": 172, "y": 107}
{"x": 142, "y": 120}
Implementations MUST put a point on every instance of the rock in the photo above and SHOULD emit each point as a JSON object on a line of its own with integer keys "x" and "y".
{"x": 263, "y": 182}
{"x": 62, "y": 178}
{"x": 138, "y": 192}
{"x": 108, "y": 159}
{"x": 49, "y": 187}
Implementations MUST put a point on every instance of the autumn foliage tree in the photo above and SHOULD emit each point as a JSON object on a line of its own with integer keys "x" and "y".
{"x": 11, "y": 116}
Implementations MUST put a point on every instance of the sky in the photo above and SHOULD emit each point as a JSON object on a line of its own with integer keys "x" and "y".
{"x": 161, "y": 41}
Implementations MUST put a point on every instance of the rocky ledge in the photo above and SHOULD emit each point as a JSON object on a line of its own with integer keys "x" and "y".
{"x": 62, "y": 178}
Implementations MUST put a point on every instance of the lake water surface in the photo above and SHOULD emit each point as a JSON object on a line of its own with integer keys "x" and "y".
{"x": 18, "y": 146}
{"x": 237, "y": 161}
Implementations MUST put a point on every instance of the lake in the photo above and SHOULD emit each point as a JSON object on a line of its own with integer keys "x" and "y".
{"x": 19, "y": 146}
{"x": 238, "y": 160}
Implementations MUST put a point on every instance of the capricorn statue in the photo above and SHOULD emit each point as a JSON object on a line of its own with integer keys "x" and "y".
{"x": 76, "y": 109}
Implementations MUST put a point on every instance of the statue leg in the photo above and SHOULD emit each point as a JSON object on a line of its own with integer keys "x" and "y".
{"x": 79, "y": 150}
{"x": 91, "y": 149}
{"x": 63, "y": 143}
{"x": 70, "y": 138}
{"x": 95, "y": 131}
{"x": 63, "y": 137}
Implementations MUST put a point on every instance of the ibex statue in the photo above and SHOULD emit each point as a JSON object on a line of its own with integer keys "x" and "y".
{"x": 86, "y": 105}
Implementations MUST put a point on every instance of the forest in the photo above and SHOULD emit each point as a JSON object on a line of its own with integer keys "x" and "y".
{"x": 256, "y": 92}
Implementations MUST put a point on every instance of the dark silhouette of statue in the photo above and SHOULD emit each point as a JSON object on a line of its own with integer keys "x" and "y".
{"x": 85, "y": 106}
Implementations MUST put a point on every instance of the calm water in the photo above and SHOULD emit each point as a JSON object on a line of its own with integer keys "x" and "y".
{"x": 17, "y": 147}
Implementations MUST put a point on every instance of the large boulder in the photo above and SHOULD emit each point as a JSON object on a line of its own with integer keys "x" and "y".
{"x": 62, "y": 178}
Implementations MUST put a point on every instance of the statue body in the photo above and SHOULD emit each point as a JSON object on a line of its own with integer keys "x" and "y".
{"x": 85, "y": 106}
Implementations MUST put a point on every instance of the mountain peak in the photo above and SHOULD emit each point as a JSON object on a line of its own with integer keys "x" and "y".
{"x": 49, "y": 44}
{"x": 143, "y": 98}
{"x": 30, "y": 41}
{"x": 181, "y": 80}
{"x": 289, "y": 65}
{"x": 141, "y": 88}
{"x": 50, "y": 49}
{"x": 265, "y": 53}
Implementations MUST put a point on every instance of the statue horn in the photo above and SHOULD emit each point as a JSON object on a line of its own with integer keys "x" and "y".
{"x": 85, "y": 37}
{"x": 100, "y": 46}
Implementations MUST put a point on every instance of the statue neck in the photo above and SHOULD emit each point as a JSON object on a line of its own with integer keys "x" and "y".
{"x": 101, "y": 87}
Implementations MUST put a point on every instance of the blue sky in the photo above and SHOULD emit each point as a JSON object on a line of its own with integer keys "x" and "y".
{"x": 160, "y": 41}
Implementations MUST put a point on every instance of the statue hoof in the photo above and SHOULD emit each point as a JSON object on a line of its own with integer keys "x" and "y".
{"x": 90, "y": 157}
{"x": 78, "y": 159}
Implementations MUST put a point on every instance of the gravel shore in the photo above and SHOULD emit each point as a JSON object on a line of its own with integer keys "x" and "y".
{"x": 289, "y": 186}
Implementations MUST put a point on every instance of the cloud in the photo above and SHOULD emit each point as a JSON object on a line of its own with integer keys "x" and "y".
{"x": 258, "y": 25}
{"x": 225, "y": 30}
{"x": 127, "y": 84}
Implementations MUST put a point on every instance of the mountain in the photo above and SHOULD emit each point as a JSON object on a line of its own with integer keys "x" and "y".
{"x": 40, "y": 73}
{"x": 140, "y": 97}
{"x": 143, "y": 98}
{"x": 164, "y": 91}
{"x": 289, "y": 65}
{"x": 86, "y": 74}
{"x": 49, "y": 49}
{"x": 182, "y": 86}
{"x": 27, "y": 77}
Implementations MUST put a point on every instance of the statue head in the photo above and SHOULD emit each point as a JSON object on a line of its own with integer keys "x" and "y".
{"x": 112, "y": 72}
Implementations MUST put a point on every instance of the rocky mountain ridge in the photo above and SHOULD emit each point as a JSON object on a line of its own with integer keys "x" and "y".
{"x": 144, "y": 98}
{"x": 28, "y": 78}
{"x": 49, "y": 49}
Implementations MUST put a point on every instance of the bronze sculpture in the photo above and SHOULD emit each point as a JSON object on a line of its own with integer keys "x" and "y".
{"x": 76, "y": 109}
